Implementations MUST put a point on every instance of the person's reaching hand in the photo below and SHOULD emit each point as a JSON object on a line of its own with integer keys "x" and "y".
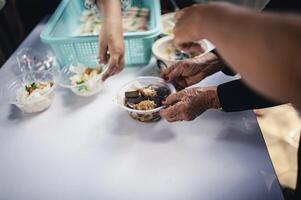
{"x": 189, "y": 103}
{"x": 112, "y": 41}
{"x": 190, "y": 24}
{"x": 191, "y": 71}
{"x": 111, "y": 37}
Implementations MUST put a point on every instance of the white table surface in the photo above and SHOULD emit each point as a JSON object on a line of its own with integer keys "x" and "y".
{"x": 89, "y": 148}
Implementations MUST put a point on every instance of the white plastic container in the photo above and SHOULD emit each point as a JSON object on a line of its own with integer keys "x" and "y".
{"x": 37, "y": 101}
{"x": 69, "y": 77}
{"x": 143, "y": 115}
{"x": 160, "y": 46}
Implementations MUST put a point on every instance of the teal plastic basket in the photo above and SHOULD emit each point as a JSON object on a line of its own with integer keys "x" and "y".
{"x": 60, "y": 30}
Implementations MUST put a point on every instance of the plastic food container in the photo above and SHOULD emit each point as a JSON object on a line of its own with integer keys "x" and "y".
{"x": 60, "y": 31}
{"x": 76, "y": 78}
{"x": 31, "y": 60}
{"x": 16, "y": 91}
{"x": 143, "y": 115}
{"x": 160, "y": 51}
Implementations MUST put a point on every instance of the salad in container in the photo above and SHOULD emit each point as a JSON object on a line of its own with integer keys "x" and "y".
{"x": 31, "y": 92}
{"x": 82, "y": 80}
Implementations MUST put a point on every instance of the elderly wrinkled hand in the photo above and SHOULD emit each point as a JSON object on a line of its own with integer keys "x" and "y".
{"x": 189, "y": 103}
{"x": 191, "y": 71}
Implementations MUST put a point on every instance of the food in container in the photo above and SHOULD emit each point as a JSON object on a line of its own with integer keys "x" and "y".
{"x": 82, "y": 80}
{"x": 143, "y": 97}
{"x": 167, "y": 55}
{"x": 172, "y": 53}
{"x": 35, "y": 96}
{"x": 134, "y": 19}
{"x": 31, "y": 92}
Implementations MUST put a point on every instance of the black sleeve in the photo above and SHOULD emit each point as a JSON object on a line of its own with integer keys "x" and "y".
{"x": 236, "y": 96}
{"x": 283, "y": 6}
{"x": 225, "y": 68}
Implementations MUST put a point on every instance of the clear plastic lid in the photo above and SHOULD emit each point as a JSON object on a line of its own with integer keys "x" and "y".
{"x": 30, "y": 60}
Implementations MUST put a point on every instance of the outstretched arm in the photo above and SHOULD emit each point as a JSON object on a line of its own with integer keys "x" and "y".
{"x": 111, "y": 37}
{"x": 263, "y": 47}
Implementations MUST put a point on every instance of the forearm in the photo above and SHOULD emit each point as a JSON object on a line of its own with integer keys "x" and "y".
{"x": 111, "y": 12}
{"x": 250, "y": 42}
{"x": 225, "y": 68}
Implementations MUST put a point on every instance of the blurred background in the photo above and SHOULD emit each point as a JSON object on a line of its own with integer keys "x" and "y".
{"x": 280, "y": 125}
{"x": 19, "y": 17}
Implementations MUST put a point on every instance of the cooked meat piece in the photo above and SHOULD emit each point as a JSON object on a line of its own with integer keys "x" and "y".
{"x": 135, "y": 100}
{"x": 148, "y": 92}
{"x": 145, "y": 105}
{"x": 157, "y": 100}
{"x": 163, "y": 92}
{"x": 89, "y": 70}
{"x": 132, "y": 94}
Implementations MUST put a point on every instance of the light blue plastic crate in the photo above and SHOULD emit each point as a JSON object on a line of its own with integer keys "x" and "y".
{"x": 60, "y": 30}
